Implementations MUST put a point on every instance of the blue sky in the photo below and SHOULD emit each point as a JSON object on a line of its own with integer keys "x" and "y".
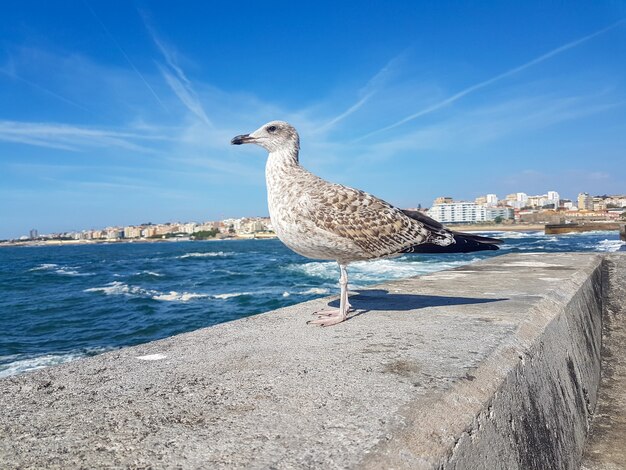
{"x": 121, "y": 112}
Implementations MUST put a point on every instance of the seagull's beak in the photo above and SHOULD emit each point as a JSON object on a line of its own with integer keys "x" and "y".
{"x": 242, "y": 139}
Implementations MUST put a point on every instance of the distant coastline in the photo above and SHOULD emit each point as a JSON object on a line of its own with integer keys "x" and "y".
{"x": 260, "y": 236}
{"x": 104, "y": 241}
{"x": 256, "y": 236}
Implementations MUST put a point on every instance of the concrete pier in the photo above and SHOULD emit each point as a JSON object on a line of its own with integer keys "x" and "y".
{"x": 492, "y": 365}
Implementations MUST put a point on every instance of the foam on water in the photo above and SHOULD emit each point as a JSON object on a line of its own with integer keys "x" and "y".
{"x": 20, "y": 363}
{"x": 173, "y": 296}
{"x": 150, "y": 273}
{"x": 44, "y": 266}
{"x": 609, "y": 245}
{"x": 208, "y": 254}
{"x": 120, "y": 288}
{"x": 376, "y": 271}
{"x": 71, "y": 271}
{"x": 63, "y": 270}
{"x": 230, "y": 295}
{"x": 315, "y": 291}
{"x": 518, "y": 235}
{"x": 116, "y": 288}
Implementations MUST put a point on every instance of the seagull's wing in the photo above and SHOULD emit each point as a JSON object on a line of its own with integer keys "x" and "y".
{"x": 374, "y": 225}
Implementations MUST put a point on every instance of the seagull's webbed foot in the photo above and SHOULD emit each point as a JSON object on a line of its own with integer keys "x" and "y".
{"x": 327, "y": 311}
{"x": 328, "y": 317}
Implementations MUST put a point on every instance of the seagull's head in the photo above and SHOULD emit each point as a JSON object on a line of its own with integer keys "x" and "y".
{"x": 273, "y": 136}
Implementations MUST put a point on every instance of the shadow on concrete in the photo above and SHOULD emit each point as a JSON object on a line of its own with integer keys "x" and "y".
{"x": 381, "y": 299}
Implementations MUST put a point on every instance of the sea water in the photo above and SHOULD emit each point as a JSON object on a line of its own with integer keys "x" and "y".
{"x": 59, "y": 303}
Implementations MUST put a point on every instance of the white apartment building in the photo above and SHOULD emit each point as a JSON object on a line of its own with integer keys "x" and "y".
{"x": 458, "y": 212}
{"x": 189, "y": 227}
{"x": 492, "y": 199}
{"x": 517, "y": 200}
{"x": 503, "y": 212}
{"x": 112, "y": 233}
{"x": 554, "y": 198}
{"x": 132, "y": 232}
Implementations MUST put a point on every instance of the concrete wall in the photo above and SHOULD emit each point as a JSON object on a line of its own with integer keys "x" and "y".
{"x": 491, "y": 365}
{"x": 605, "y": 448}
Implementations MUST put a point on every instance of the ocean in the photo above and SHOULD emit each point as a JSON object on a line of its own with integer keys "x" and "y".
{"x": 60, "y": 303}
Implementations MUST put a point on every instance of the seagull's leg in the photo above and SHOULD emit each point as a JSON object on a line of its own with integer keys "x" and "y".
{"x": 344, "y": 305}
{"x": 333, "y": 316}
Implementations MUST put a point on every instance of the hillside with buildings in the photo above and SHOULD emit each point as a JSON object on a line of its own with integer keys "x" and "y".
{"x": 516, "y": 209}
{"x": 520, "y": 208}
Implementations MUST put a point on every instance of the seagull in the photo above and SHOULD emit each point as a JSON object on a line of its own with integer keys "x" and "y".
{"x": 327, "y": 221}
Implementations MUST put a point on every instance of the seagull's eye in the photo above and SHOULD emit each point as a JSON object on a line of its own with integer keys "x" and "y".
{"x": 271, "y": 129}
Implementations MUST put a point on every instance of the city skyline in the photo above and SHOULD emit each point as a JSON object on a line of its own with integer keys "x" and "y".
{"x": 517, "y": 201}
{"x": 124, "y": 112}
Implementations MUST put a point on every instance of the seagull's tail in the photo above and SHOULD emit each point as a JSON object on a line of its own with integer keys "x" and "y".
{"x": 464, "y": 243}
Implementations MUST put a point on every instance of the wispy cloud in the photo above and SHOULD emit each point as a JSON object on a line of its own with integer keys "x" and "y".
{"x": 125, "y": 55}
{"x": 72, "y": 138}
{"x": 9, "y": 72}
{"x": 181, "y": 87}
{"x": 367, "y": 92}
{"x": 177, "y": 79}
{"x": 346, "y": 113}
{"x": 490, "y": 123}
{"x": 451, "y": 99}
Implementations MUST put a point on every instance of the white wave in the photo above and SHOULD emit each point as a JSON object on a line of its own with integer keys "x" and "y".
{"x": 591, "y": 232}
{"x": 63, "y": 270}
{"x": 69, "y": 271}
{"x": 375, "y": 271}
{"x": 27, "y": 364}
{"x": 519, "y": 234}
{"x": 609, "y": 245}
{"x": 286, "y": 294}
{"x": 230, "y": 295}
{"x": 43, "y": 267}
{"x": 174, "y": 296}
{"x": 315, "y": 291}
{"x": 119, "y": 288}
{"x": 150, "y": 273}
{"x": 206, "y": 254}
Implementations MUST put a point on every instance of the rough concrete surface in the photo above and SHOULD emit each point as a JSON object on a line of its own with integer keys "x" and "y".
{"x": 491, "y": 365}
{"x": 606, "y": 446}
